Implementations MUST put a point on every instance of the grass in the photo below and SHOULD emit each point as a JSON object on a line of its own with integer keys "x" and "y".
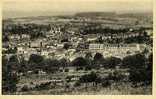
{"x": 123, "y": 89}
{"x": 116, "y": 88}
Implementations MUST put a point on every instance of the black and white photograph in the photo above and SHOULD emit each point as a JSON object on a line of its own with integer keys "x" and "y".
{"x": 77, "y": 47}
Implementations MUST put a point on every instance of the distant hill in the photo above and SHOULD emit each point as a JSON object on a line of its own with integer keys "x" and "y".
{"x": 95, "y": 14}
{"x": 135, "y": 15}
{"x": 113, "y": 14}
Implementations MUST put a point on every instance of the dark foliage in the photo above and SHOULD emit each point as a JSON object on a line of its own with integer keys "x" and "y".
{"x": 134, "y": 61}
{"x": 92, "y": 77}
{"x": 35, "y": 58}
{"x": 80, "y": 61}
{"x": 112, "y": 62}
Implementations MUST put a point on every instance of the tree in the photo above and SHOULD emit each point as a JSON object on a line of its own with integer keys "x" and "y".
{"x": 14, "y": 62}
{"x": 23, "y": 65}
{"x": 35, "y": 58}
{"x": 98, "y": 60}
{"x": 92, "y": 77}
{"x": 150, "y": 62}
{"x": 139, "y": 75}
{"x": 64, "y": 62}
{"x": 14, "y": 58}
{"x": 149, "y": 69}
{"x": 5, "y": 38}
{"x": 80, "y": 61}
{"x": 88, "y": 58}
{"x": 111, "y": 62}
{"x": 54, "y": 63}
{"x": 139, "y": 71}
{"x": 98, "y": 56}
{"x": 88, "y": 55}
{"x": 51, "y": 65}
{"x": 134, "y": 61}
{"x": 100, "y": 40}
{"x": 66, "y": 46}
{"x": 9, "y": 78}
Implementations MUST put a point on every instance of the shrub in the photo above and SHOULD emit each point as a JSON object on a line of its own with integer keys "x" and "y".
{"x": 92, "y": 77}
{"x": 66, "y": 46}
{"x": 116, "y": 76}
{"x": 87, "y": 68}
{"x": 80, "y": 61}
{"x": 140, "y": 75}
{"x": 111, "y": 62}
{"x": 79, "y": 68}
{"x": 77, "y": 84}
{"x": 9, "y": 81}
{"x": 134, "y": 61}
{"x": 43, "y": 86}
{"x": 66, "y": 70}
{"x": 106, "y": 83}
{"x": 98, "y": 60}
{"x": 61, "y": 70}
{"x": 25, "y": 88}
{"x": 35, "y": 58}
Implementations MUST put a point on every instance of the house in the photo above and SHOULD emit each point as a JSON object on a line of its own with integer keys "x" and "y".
{"x": 14, "y": 37}
{"x": 89, "y": 39}
{"x": 20, "y": 50}
{"x": 44, "y": 53}
{"x": 36, "y": 44}
{"x": 25, "y": 36}
{"x": 40, "y": 72}
{"x": 60, "y": 45}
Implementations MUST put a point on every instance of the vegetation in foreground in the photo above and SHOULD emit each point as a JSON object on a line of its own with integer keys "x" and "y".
{"x": 131, "y": 75}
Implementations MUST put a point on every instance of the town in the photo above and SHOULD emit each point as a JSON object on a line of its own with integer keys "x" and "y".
{"x": 59, "y": 53}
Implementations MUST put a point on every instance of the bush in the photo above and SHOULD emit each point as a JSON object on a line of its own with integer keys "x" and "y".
{"x": 98, "y": 56}
{"x": 87, "y": 68}
{"x": 111, "y": 62}
{"x": 80, "y": 61}
{"x": 66, "y": 46}
{"x": 134, "y": 61}
{"x": 25, "y": 88}
{"x": 77, "y": 84}
{"x": 9, "y": 81}
{"x": 140, "y": 75}
{"x": 106, "y": 83}
{"x": 79, "y": 68}
{"x": 140, "y": 68}
{"x": 43, "y": 86}
{"x": 116, "y": 76}
{"x": 92, "y": 77}
{"x": 66, "y": 70}
{"x": 34, "y": 58}
{"x": 98, "y": 60}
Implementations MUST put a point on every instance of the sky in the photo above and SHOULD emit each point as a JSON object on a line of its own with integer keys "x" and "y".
{"x": 24, "y": 8}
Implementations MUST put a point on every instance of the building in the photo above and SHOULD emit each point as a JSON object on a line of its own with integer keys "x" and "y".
{"x": 114, "y": 46}
{"x": 14, "y": 37}
{"x": 117, "y": 50}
